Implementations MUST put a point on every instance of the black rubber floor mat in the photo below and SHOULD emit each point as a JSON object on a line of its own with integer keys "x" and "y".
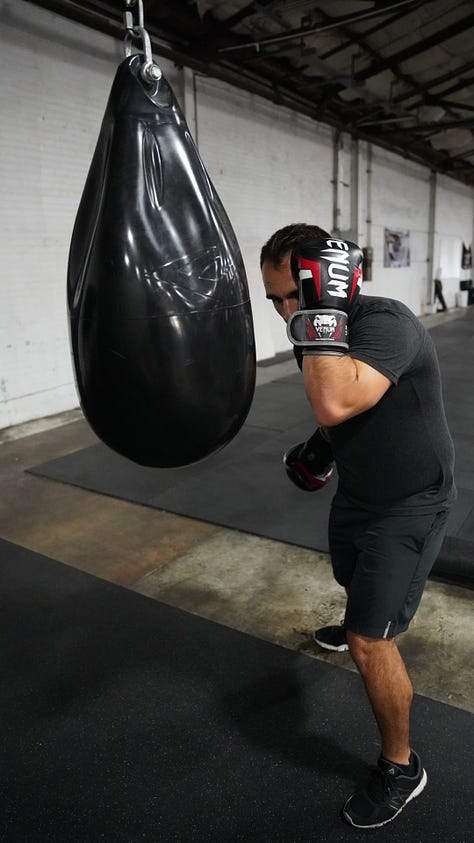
{"x": 127, "y": 720}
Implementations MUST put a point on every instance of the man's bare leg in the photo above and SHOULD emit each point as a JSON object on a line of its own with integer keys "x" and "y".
{"x": 389, "y": 690}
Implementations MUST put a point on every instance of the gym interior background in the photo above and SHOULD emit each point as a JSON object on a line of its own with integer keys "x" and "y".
{"x": 272, "y": 164}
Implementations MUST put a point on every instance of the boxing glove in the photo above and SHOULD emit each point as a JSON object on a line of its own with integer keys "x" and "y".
{"x": 329, "y": 275}
{"x": 309, "y": 465}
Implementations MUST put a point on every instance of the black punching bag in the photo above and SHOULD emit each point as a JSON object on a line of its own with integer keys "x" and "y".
{"x": 160, "y": 319}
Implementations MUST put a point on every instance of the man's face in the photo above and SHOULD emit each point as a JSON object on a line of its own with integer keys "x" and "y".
{"x": 281, "y": 288}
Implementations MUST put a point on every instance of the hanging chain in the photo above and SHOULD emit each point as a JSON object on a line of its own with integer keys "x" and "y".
{"x": 149, "y": 70}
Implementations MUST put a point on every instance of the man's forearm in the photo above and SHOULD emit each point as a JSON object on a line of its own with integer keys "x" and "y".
{"x": 331, "y": 384}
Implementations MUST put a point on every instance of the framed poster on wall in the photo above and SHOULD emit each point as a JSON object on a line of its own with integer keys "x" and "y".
{"x": 396, "y": 250}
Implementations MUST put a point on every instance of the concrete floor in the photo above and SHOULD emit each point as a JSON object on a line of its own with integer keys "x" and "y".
{"x": 274, "y": 591}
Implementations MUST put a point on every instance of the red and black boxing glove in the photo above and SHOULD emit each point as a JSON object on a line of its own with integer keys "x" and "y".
{"x": 310, "y": 464}
{"x": 329, "y": 276}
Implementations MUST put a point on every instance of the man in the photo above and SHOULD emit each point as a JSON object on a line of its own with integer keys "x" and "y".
{"x": 371, "y": 376}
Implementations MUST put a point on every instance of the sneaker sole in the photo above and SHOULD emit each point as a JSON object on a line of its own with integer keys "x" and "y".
{"x": 343, "y": 648}
{"x": 415, "y": 793}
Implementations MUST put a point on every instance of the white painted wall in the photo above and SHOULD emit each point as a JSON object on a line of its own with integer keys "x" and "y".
{"x": 56, "y": 77}
{"x": 270, "y": 167}
{"x": 399, "y": 199}
{"x": 453, "y": 227}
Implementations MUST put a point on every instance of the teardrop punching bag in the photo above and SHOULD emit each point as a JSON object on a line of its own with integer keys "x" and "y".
{"x": 160, "y": 318}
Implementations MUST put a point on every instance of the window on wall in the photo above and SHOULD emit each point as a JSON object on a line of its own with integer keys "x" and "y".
{"x": 450, "y": 254}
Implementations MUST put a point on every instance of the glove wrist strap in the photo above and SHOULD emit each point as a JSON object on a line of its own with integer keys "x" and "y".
{"x": 322, "y": 331}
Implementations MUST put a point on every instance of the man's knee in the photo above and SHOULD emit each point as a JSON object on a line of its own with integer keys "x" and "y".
{"x": 365, "y": 650}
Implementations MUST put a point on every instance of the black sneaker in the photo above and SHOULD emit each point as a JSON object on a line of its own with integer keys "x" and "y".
{"x": 386, "y": 794}
{"x": 331, "y": 638}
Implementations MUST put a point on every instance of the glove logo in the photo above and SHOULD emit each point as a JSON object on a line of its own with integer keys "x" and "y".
{"x": 325, "y": 326}
{"x": 335, "y": 272}
{"x": 337, "y": 257}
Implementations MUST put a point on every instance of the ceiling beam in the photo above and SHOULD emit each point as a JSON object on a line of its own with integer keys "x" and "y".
{"x": 169, "y": 45}
{"x": 421, "y": 46}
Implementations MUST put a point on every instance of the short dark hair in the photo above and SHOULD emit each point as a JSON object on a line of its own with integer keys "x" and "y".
{"x": 285, "y": 239}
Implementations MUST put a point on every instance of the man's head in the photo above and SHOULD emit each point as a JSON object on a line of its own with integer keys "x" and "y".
{"x": 280, "y": 285}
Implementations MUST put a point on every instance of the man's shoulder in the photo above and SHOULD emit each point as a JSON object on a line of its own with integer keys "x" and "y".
{"x": 380, "y": 304}
{"x": 371, "y": 306}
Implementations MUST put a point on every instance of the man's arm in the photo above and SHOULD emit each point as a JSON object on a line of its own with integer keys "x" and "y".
{"x": 340, "y": 387}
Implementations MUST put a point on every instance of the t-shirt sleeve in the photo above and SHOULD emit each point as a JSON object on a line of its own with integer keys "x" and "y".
{"x": 387, "y": 341}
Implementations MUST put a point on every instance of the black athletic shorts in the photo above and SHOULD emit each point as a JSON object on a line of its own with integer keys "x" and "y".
{"x": 383, "y": 562}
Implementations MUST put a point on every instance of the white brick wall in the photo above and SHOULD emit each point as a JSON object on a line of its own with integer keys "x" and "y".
{"x": 269, "y": 166}
{"x": 453, "y": 227}
{"x": 56, "y": 76}
{"x": 399, "y": 201}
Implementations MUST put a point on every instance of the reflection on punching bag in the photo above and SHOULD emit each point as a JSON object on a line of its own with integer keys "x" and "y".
{"x": 160, "y": 319}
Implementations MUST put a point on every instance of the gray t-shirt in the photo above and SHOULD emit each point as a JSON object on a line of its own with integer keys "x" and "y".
{"x": 398, "y": 457}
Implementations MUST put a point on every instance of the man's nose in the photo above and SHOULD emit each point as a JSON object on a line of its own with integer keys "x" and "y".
{"x": 289, "y": 306}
